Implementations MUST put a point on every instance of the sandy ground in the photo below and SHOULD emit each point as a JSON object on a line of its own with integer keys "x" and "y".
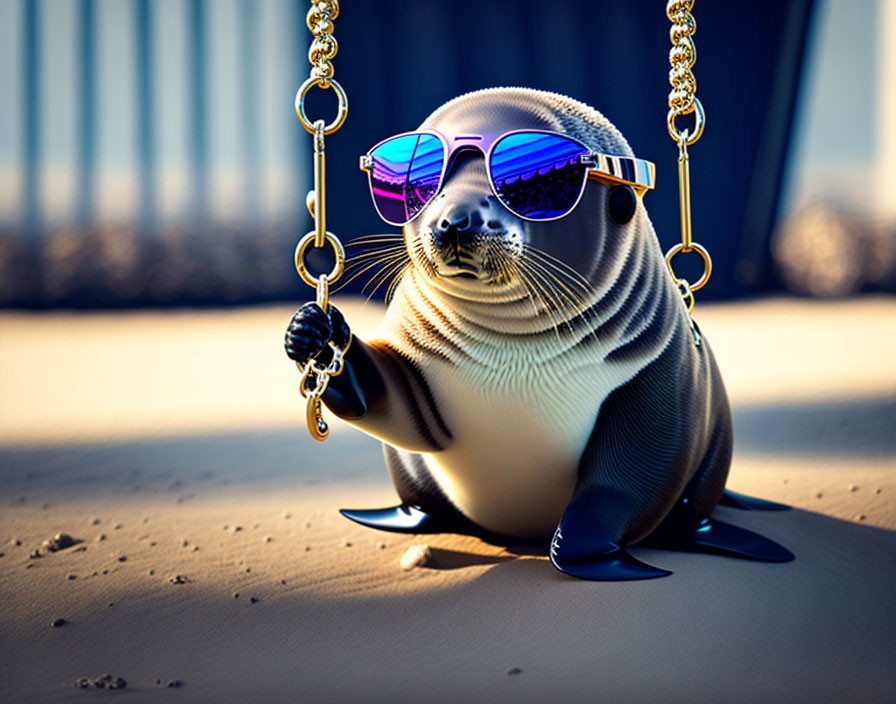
{"x": 172, "y": 445}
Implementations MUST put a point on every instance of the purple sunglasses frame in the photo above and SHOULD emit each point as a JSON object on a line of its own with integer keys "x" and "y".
{"x": 601, "y": 167}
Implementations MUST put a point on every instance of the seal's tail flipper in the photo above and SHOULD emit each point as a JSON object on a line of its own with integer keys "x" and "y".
{"x": 397, "y": 519}
{"x": 615, "y": 566}
{"x": 712, "y": 535}
{"x": 749, "y": 503}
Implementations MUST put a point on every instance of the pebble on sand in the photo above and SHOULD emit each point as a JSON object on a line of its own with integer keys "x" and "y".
{"x": 15, "y": 542}
{"x": 123, "y": 558}
{"x": 58, "y": 623}
{"x": 381, "y": 545}
{"x": 860, "y": 517}
{"x": 177, "y": 579}
{"x": 237, "y": 529}
{"x": 58, "y": 542}
{"x": 101, "y": 537}
{"x": 346, "y": 543}
{"x": 73, "y": 576}
{"x": 101, "y": 682}
{"x": 416, "y": 556}
{"x": 253, "y": 600}
{"x": 268, "y": 539}
{"x": 94, "y": 521}
{"x": 853, "y": 487}
{"x": 819, "y": 495}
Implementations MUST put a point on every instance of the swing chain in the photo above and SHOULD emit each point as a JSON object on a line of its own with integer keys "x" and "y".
{"x": 324, "y": 46}
{"x": 316, "y": 376}
{"x": 683, "y": 101}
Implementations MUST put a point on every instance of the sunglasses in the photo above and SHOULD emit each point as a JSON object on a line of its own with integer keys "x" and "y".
{"x": 537, "y": 175}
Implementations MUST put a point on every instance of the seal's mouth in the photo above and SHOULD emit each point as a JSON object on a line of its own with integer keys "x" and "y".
{"x": 456, "y": 265}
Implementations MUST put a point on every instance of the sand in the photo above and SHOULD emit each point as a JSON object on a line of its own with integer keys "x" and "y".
{"x": 213, "y": 557}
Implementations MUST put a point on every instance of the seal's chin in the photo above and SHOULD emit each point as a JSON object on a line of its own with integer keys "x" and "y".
{"x": 482, "y": 282}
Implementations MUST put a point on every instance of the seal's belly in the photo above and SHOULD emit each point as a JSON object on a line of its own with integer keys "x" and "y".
{"x": 513, "y": 462}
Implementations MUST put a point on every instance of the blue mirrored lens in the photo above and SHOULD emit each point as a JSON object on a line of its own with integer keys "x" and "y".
{"x": 538, "y": 175}
{"x": 405, "y": 175}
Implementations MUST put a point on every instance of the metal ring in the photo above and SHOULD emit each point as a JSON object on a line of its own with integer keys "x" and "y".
{"x": 307, "y": 241}
{"x": 699, "y": 123}
{"x": 707, "y": 263}
{"x": 323, "y": 83}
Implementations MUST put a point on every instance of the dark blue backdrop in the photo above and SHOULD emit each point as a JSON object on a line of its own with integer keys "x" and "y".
{"x": 400, "y": 60}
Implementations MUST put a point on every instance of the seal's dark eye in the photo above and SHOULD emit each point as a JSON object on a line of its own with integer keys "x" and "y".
{"x": 621, "y": 204}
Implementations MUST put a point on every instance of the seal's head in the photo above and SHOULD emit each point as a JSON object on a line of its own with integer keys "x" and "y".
{"x": 466, "y": 243}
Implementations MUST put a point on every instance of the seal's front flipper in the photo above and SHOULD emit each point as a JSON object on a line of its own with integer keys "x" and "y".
{"x": 749, "y": 503}
{"x": 712, "y": 535}
{"x": 397, "y": 519}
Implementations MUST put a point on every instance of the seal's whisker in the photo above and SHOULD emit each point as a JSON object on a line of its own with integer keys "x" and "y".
{"x": 563, "y": 300}
{"x": 560, "y": 264}
{"x": 419, "y": 259}
{"x": 534, "y": 295}
{"x": 557, "y": 283}
{"x": 365, "y": 259}
{"x": 375, "y": 239}
{"x": 562, "y": 271}
{"x": 362, "y": 267}
{"x": 558, "y": 299}
{"x": 388, "y": 267}
{"x": 512, "y": 270}
{"x": 544, "y": 293}
{"x": 362, "y": 256}
{"x": 395, "y": 281}
{"x": 385, "y": 273}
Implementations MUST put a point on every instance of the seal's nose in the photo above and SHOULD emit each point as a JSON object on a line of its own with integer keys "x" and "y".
{"x": 457, "y": 226}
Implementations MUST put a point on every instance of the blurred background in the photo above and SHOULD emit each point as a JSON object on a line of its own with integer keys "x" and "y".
{"x": 150, "y": 153}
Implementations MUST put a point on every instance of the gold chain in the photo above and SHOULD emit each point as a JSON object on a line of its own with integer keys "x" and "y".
{"x": 323, "y": 48}
{"x": 683, "y": 101}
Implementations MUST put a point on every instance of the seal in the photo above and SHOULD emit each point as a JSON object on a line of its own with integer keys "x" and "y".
{"x": 536, "y": 376}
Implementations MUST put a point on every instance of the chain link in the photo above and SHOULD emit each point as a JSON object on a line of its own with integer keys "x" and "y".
{"x": 324, "y": 46}
{"x": 682, "y": 56}
{"x": 683, "y": 101}
{"x": 315, "y": 376}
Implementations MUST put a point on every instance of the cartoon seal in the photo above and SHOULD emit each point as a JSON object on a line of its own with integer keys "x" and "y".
{"x": 536, "y": 375}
